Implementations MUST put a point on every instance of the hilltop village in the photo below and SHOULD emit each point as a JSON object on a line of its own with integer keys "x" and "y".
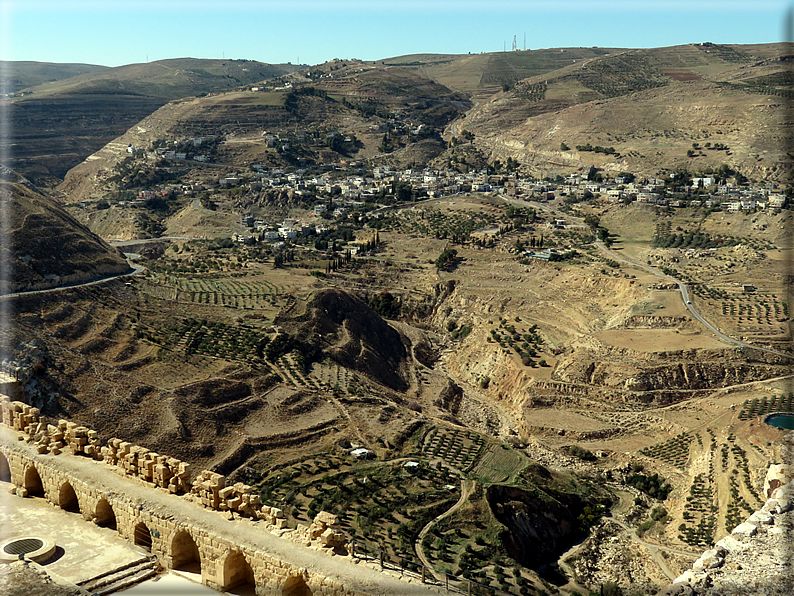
{"x": 350, "y": 192}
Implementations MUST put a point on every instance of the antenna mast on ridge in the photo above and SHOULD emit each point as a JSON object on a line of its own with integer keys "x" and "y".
{"x": 514, "y": 44}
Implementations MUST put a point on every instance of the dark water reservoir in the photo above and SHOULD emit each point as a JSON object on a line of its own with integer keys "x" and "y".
{"x": 780, "y": 421}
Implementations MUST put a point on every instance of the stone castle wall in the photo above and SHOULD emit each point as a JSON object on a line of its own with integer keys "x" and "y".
{"x": 145, "y": 498}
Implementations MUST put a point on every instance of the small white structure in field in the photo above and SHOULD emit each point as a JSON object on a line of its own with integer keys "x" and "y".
{"x": 362, "y": 453}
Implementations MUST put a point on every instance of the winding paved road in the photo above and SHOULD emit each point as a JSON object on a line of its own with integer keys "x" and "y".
{"x": 682, "y": 287}
{"x": 136, "y": 269}
{"x": 687, "y": 302}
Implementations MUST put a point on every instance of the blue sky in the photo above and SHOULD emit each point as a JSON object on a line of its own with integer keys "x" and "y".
{"x": 116, "y": 32}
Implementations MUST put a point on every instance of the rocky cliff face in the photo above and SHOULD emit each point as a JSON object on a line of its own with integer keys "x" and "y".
{"x": 542, "y": 522}
{"x": 626, "y": 370}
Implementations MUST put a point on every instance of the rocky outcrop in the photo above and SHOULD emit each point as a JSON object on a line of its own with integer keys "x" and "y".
{"x": 339, "y": 326}
{"x": 540, "y": 522}
{"x": 756, "y": 558}
{"x": 697, "y": 375}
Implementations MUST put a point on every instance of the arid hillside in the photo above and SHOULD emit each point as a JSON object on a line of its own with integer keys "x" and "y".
{"x": 48, "y": 246}
{"x": 338, "y": 121}
{"x": 18, "y": 75}
{"x": 690, "y": 107}
{"x": 58, "y": 123}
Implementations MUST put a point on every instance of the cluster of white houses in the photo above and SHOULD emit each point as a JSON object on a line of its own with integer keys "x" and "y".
{"x": 436, "y": 183}
{"x": 350, "y": 180}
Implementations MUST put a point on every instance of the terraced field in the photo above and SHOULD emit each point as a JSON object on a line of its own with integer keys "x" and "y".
{"x": 499, "y": 463}
{"x": 231, "y": 293}
{"x": 457, "y": 448}
{"x": 378, "y": 502}
{"x": 766, "y": 405}
{"x": 674, "y": 451}
{"x": 332, "y": 376}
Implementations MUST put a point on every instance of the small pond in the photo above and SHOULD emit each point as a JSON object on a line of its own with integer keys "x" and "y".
{"x": 780, "y": 421}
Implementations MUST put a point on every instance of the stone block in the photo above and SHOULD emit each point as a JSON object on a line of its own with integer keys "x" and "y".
{"x": 783, "y": 492}
{"x": 760, "y": 518}
{"x": 710, "y": 559}
{"x": 332, "y": 538}
{"x": 777, "y": 506}
{"x": 730, "y": 544}
{"x": 327, "y": 519}
{"x": 745, "y": 529}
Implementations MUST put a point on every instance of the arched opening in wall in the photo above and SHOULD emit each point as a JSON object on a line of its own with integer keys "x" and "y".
{"x": 104, "y": 515}
{"x": 5, "y": 469}
{"x": 142, "y": 536}
{"x": 295, "y": 586}
{"x": 184, "y": 553}
{"x": 32, "y": 482}
{"x": 67, "y": 498}
{"x": 238, "y": 575}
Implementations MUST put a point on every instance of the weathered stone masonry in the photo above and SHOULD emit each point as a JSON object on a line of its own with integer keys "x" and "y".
{"x": 138, "y": 496}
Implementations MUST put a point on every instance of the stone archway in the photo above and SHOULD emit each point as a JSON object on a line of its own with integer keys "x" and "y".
{"x": 142, "y": 536}
{"x": 185, "y": 553}
{"x": 295, "y": 586}
{"x": 238, "y": 576}
{"x": 67, "y": 498}
{"x": 104, "y": 515}
{"x": 32, "y": 482}
{"x": 5, "y": 469}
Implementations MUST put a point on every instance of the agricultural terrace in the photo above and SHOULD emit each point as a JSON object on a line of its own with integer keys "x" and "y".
{"x": 720, "y": 486}
{"x": 522, "y": 338}
{"x": 762, "y": 406}
{"x": 387, "y": 503}
{"x": 729, "y": 260}
{"x": 377, "y": 502}
{"x": 467, "y": 544}
{"x": 244, "y": 341}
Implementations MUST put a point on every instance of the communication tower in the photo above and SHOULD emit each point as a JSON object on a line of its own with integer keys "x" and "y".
{"x": 514, "y": 44}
